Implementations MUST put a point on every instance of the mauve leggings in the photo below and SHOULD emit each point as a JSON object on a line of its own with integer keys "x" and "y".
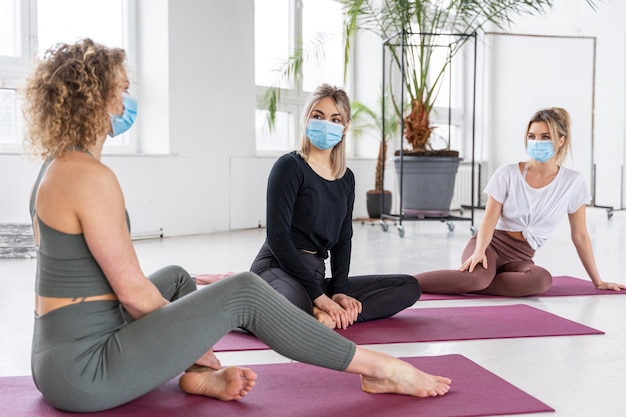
{"x": 90, "y": 356}
{"x": 511, "y": 271}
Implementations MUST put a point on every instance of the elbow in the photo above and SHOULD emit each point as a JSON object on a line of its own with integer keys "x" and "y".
{"x": 580, "y": 239}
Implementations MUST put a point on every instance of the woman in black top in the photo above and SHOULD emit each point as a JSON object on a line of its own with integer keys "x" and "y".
{"x": 310, "y": 196}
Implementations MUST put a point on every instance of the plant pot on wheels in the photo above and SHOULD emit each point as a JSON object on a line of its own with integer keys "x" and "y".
{"x": 374, "y": 203}
{"x": 427, "y": 184}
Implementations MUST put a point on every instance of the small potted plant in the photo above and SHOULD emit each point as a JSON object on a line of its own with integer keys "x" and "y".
{"x": 367, "y": 120}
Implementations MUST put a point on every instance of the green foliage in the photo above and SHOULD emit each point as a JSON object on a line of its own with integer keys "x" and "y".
{"x": 366, "y": 119}
{"x": 425, "y": 20}
{"x": 422, "y": 27}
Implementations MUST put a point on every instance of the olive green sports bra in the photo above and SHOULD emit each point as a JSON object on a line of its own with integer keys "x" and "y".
{"x": 65, "y": 265}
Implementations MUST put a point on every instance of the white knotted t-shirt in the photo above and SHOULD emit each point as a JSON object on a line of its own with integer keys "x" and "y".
{"x": 535, "y": 212}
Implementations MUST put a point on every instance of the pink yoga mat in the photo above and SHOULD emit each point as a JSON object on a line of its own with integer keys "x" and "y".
{"x": 296, "y": 389}
{"x": 442, "y": 324}
{"x": 561, "y": 286}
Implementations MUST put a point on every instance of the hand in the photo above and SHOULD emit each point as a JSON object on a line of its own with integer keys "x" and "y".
{"x": 611, "y": 286}
{"x": 209, "y": 360}
{"x": 334, "y": 311}
{"x": 471, "y": 262}
{"x": 352, "y": 306}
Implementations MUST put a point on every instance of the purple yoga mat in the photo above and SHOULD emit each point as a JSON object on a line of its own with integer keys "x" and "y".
{"x": 561, "y": 286}
{"x": 296, "y": 389}
{"x": 442, "y": 324}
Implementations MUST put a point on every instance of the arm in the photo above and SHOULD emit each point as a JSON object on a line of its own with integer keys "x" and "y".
{"x": 493, "y": 209}
{"x": 101, "y": 212}
{"x": 341, "y": 306}
{"x": 283, "y": 187}
{"x": 341, "y": 251}
{"x": 582, "y": 242}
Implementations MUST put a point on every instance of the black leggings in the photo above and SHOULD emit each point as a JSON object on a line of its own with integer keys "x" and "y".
{"x": 380, "y": 295}
{"x": 90, "y": 356}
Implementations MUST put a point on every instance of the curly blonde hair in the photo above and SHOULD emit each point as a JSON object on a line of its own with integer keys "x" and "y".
{"x": 68, "y": 96}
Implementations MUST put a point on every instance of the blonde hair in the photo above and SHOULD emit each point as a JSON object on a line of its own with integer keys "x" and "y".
{"x": 338, "y": 153}
{"x": 68, "y": 96}
{"x": 559, "y": 125}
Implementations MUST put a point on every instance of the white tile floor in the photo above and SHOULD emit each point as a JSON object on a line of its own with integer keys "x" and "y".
{"x": 578, "y": 376}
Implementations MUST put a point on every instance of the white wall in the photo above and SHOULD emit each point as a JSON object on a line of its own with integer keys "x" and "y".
{"x": 196, "y": 92}
{"x": 576, "y": 18}
{"x": 197, "y": 101}
{"x": 572, "y": 18}
{"x": 529, "y": 78}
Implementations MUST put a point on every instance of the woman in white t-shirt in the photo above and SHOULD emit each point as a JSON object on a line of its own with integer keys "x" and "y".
{"x": 526, "y": 202}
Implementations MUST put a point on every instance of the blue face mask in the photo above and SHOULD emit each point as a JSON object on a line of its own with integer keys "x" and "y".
{"x": 324, "y": 134}
{"x": 121, "y": 123}
{"x": 540, "y": 150}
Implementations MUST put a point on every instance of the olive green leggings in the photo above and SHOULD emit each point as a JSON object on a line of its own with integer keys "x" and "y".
{"x": 91, "y": 356}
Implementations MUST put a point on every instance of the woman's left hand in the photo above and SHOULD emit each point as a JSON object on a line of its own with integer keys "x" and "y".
{"x": 352, "y": 306}
{"x": 611, "y": 286}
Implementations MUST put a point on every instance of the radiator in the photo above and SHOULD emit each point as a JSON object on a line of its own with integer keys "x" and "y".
{"x": 462, "y": 197}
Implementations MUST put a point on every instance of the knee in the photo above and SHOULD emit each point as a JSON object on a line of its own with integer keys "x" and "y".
{"x": 543, "y": 280}
{"x": 404, "y": 287}
{"x": 248, "y": 278}
{"x": 412, "y": 288}
{"x": 176, "y": 270}
{"x": 183, "y": 278}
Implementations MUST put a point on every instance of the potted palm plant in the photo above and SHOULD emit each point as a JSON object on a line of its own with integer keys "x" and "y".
{"x": 426, "y": 26}
{"x": 423, "y": 25}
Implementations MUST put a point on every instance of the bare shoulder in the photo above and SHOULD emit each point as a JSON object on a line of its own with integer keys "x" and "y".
{"x": 82, "y": 173}
{"x": 74, "y": 184}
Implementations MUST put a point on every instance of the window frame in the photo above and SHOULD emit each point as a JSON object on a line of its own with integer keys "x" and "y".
{"x": 15, "y": 69}
{"x": 293, "y": 99}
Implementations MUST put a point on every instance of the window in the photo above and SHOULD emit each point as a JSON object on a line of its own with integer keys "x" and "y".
{"x": 15, "y": 49}
{"x": 271, "y": 41}
{"x": 32, "y": 26}
{"x": 10, "y": 29}
{"x": 280, "y": 137}
{"x": 9, "y": 127}
{"x": 322, "y": 20}
{"x": 281, "y": 27}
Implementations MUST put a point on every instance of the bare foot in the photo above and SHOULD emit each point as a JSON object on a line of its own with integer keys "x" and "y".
{"x": 231, "y": 383}
{"x": 324, "y": 318}
{"x": 208, "y": 360}
{"x": 404, "y": 378}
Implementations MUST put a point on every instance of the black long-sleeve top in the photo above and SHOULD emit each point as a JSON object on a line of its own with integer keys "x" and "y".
{"x": 308, "y": 212}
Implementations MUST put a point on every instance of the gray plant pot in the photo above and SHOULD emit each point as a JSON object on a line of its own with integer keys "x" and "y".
{"x": 427, "y": 184}
{"x": 373, "y": 203}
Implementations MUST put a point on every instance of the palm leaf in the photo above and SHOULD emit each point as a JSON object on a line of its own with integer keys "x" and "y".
{"x": 427, "y": 19}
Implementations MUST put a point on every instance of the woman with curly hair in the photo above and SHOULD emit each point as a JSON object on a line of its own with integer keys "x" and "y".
{"x": 105, "y": 333}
